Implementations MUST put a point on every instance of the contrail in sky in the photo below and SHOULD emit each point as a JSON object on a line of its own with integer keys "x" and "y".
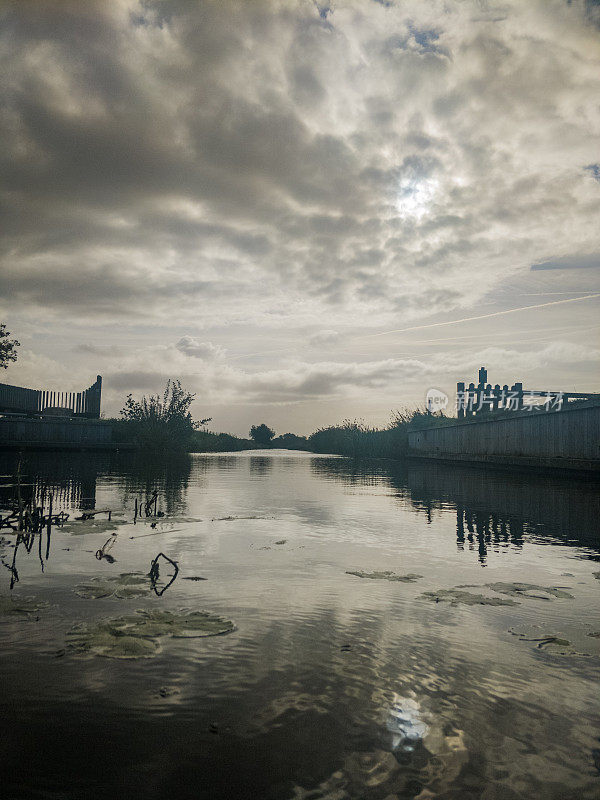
{"x": 485, "y": 316}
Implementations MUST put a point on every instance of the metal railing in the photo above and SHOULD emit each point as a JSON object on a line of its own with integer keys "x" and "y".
{"x": 482, "y": 398}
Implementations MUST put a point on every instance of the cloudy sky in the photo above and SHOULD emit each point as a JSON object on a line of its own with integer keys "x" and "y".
{"x": 304, "y": 210}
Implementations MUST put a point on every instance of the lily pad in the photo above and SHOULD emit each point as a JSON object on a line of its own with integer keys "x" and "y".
{"x": 136, "y": 635}
{"x": 20, "y": 607}
{"x": 94, "y": 589}
{"x": 529, "y": 590}
{"x": 132, "y": 584}
{"x": 385, "y": 576}
{"x": 104, "y": 639}
{"x": 200, "y": 623}
{"x": 191, "y": 624}
{"x": 459, "y": 597}
{"x": 124, "y": 586}
{"x": 550, "y": 643}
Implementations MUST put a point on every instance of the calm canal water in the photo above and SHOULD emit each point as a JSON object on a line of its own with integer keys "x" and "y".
{"x": 419, "y": 631}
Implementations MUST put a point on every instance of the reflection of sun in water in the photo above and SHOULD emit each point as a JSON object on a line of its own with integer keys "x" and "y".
{"x": 415, "y": 196}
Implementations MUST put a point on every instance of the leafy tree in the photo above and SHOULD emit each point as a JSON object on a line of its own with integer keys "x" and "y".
{"x": 261, "y": 434}
{"x": 8, "y": 347}
{"x": 291, "y": 441}
{"x": 161, "y": 422}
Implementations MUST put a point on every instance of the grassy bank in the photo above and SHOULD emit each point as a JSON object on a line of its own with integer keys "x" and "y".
{"x": 351, "y": 438}
{"x": 357, "y": 440}
{"x": 209, "y": 442}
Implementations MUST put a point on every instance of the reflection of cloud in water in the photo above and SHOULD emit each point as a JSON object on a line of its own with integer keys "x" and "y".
{"x": 405, "y": 723}
{"x": 260, "y": 466}
{"x": 344, "y": 718}
{"x": 312, "y": 689}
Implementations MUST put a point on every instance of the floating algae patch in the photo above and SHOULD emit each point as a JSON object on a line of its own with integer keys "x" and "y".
{"x": 124, "y": 586}
{"x": 596, "y": 575}
{"x": 528, "y": 590}
{"x": 458, "y": 596}
{"x": 136, "y": 635}
{"x": 385, "y": 576}
{"x": 22, "y": 607}
{"x": 549, "y": 643}
{"x": 532, "y": 591}
{"x": 81, "y": 527}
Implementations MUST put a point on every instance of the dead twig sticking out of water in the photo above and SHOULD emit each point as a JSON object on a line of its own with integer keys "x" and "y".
{"x": 155, "y": 573}
{"x": 147, "y": 508}
{"x": 87, "y": 515}
{"x": 103, "y": 552}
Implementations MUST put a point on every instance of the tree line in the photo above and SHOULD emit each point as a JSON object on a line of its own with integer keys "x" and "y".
{"x": 164, "y": 422}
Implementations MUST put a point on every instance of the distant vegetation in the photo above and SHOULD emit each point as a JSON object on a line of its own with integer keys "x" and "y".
{"x": 209, "y": 442}
{"x": 164, "y": 423}
{"x": 262, "y": 435}
{"x": 290, "y": 441}
{"x": 355, "y": 439}
{"x": 8, "y": 347}
{"x": 159, "y": 422}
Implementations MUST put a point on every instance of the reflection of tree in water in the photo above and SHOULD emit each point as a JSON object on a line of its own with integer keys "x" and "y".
{"x": 260, "y": 466}
{"x": 168, "y": 475}
{"x": 494, "y": 508}
{"x": 71, "y": 478}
